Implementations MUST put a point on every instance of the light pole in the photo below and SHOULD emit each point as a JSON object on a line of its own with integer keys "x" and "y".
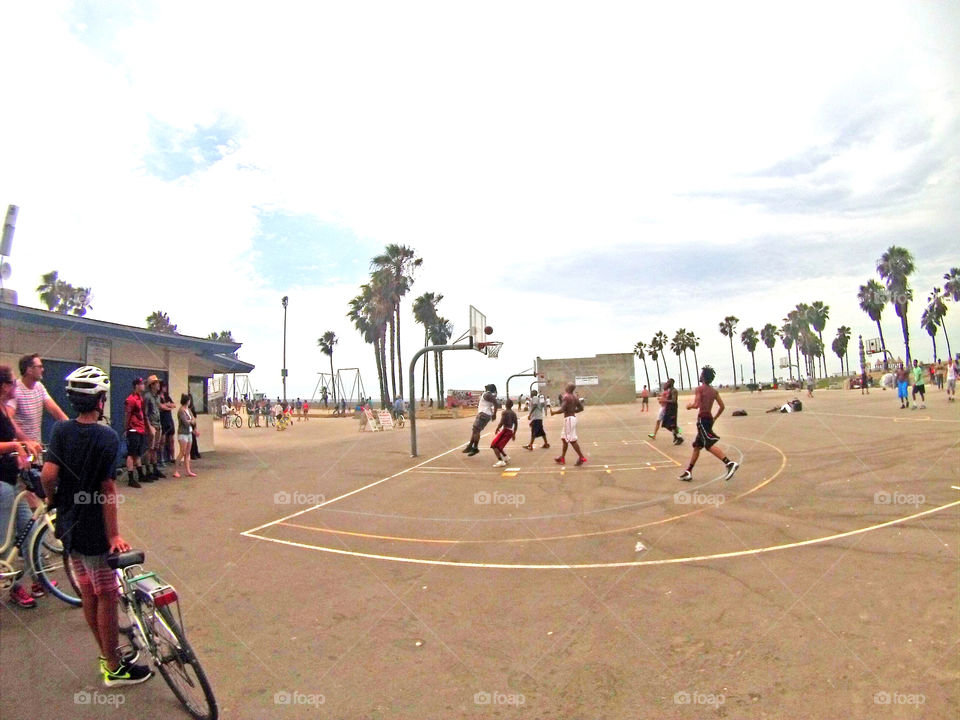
{"x": 283, "y": 372}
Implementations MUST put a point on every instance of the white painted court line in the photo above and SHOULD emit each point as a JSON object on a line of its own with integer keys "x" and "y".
{"x": 352, "y": 492}
{"x": 587, "y": 566}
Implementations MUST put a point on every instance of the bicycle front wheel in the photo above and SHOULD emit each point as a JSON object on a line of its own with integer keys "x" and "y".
{"x": 180, "y": 667}
{"x": 52, "y": 566}
{"x": 237, "y": 421}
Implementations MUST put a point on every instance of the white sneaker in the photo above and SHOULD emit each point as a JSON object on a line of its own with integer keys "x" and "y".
{"x": 500, "y": 463}
{"x": 686, "y": 476}
{"x": 923, "y": 406}
{"x": 506, "y": 458}
{"x": 732, "y": 467}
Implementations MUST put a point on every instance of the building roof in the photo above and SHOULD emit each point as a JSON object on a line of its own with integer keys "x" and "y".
{"x": 221, "y": 354}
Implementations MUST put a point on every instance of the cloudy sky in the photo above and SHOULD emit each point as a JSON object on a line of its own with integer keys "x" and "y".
{"x": 587, "y": 174}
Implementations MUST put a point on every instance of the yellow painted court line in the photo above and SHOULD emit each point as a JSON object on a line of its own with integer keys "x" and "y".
{"x": 587, "y": 566}
{"x": 574, "y": 536}
{"x": 650, "y": 444}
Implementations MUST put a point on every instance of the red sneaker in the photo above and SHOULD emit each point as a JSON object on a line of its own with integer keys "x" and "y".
{"x": 21, "y": 597}
{"x": 38, "y": 590}
{"x": 581, "y": 461}
{"x": 560, "y": 461}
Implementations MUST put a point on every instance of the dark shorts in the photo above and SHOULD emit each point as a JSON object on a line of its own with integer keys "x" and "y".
{"x": 705, "y": 437}
{"x": 481, "y": 422}
{"x": 670, "y": 416}
{"x": 919, "y": 388}
{"x": 536, "y": 428}
{"x": 134, "y": 444}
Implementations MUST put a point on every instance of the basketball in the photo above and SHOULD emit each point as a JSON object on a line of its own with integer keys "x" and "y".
{"x": 488, "y": 330}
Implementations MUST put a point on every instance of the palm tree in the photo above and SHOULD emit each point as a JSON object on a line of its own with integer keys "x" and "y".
{"x": 683, "y": 339}
{"x": 693, "y": 342}
{"x": 326, "y": 344}
{"x": 400, "y": 261}
{"x": 750, "y": 339}
{"x": 895, "y": 267}
{"x": 222, "y": 336}
{"x": 370, "y": 312}
{"x": 842, "y": 340}
{"x": 769, "y": 334}
{"x": 640, "y": 350}
{"x": 654, "y": 350}
{"x": 818, "y": 314}
{"x": 952, "y": 287}
{"x": 676, "y": 345}
{"x": 159, "y": 321}
{"x": 873, "y": 299}
{"x": 62, "y": 297}
{"x": 425, "y": 313}
{"x": 727, "y": 328}
{"x": 440, "y": 334}
{"x": 787, "y": 338}
{"x": 937, "y": 310}
{"x": 661, "y": 343}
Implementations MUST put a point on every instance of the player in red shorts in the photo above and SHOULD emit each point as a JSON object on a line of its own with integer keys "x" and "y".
{"x": 506, "y": 430}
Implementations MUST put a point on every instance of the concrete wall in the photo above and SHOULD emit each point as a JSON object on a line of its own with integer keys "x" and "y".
{"x": 616, "y": 382}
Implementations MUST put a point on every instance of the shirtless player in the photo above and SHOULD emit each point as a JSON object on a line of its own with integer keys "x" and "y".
{"x": 570, "y": 405}
{"x": 703, "y": 400}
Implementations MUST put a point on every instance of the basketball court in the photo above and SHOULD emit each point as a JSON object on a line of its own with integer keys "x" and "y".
{"x": 819, "y": 582}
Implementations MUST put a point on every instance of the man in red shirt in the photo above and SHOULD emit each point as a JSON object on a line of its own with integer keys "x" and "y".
{"x": 135, "y": 430}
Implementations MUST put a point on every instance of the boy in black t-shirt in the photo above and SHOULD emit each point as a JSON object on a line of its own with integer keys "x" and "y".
{"x": 79, "y": 475}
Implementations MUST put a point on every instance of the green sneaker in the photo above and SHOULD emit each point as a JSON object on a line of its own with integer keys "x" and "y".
{"x": 126, "y": 674}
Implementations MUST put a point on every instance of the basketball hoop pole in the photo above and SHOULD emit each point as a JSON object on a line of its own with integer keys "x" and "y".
{"x": 522, "y": 374}
{"x": 413, "y": 391}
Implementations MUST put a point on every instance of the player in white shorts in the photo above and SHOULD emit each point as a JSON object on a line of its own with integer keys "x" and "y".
{"x": 952, "y": 380}
{"x": 570, "y": 405}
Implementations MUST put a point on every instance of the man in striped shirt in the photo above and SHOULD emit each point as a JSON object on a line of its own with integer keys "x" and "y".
{"x": 30, "y": 399}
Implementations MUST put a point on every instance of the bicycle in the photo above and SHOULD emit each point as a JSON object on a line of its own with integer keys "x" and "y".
{"x": 399, "y": 420}
{"x": 44, "y": 552}
{"x": 253, "y": 419}
{"x": 147, "y": 604}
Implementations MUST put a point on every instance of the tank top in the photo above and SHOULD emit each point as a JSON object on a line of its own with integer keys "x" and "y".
{"x": 485, "y": 406}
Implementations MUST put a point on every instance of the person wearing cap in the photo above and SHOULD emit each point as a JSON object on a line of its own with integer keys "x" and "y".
{"x": 486, "y": 411}
{"x": 154, "y": 435}
{"x": 134, "y": 430}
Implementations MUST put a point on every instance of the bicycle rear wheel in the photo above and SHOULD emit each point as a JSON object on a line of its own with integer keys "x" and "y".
{"x": 237, "y": 421}
{"x": 53, "y": 568}
{"x": 180, "y": 667}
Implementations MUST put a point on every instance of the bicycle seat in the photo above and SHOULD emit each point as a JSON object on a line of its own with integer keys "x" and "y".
{"x": 119, "y": 561}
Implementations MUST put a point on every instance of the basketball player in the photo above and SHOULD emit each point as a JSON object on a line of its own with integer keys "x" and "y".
{"x": 703, "y": 399}
{"x": 506, "y": 430}
{"x": 486, "y": 411}
{"x": 570, "y": 405}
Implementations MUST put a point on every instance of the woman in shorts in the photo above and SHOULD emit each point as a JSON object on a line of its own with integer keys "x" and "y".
{"x": 186, "y": 423}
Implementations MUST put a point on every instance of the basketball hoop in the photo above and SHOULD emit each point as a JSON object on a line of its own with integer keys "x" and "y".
{"x": 490, "y": 349}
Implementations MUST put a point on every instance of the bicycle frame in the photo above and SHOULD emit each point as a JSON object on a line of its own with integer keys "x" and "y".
{"x": 143, "y": 592}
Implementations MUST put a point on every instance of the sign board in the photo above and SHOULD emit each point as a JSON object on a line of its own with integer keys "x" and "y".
{"x": 386, "y": 420}
{"x": 582, "y": 380}
{"x": 371, "y": 423}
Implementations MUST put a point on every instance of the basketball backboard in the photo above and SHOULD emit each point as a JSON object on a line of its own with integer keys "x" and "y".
{"x": 872, "y": 346}
{"x": 478, "y": 328}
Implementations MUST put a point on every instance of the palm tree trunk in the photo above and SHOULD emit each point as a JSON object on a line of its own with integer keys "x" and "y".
{"x": 696, "y": 365}
{"x": 686, "y": 362}
{"x": 656, "y": 364}
{"x": 773, "y": 367}
{"x": 733, "y": 363}
{"x": 376, "y": 353}
{"x": 883, "y": 344}
{"x": 647, "y": 374}
{"x": 443, "y": 381}
{"x": 399, "y": 358}
{"x": 906, "y": 334}
{"x": 946, "y": 337}
{"x": 663, "y": 355}
{"x": 384, "y": 396}
{"x": 934, "y": 338}
{"x": 393, "y": 364}
{"x": 436, "y": 374}
{"x": 331, "y": 378}
{"x": 753, "y": 361}
{"x": 799, "y": 375}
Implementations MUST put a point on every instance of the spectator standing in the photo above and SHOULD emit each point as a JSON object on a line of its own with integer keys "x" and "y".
{"x": 135, "y": 430}
{"x": 154, "y": 436}
{"x": 194, "y": 450}
{"x": 186, "y": 424}
{"x": 30, "y": 399}
{"x": 167, "y": 406}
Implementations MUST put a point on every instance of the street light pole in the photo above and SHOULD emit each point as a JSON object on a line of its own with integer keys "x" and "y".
{"x": 283, "y": 373}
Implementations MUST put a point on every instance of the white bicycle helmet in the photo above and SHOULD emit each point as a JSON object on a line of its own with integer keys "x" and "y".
{"x": 88, "y": 380}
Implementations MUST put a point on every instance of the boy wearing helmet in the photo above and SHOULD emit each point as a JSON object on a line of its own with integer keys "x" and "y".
{"x": 79, "y": 474}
